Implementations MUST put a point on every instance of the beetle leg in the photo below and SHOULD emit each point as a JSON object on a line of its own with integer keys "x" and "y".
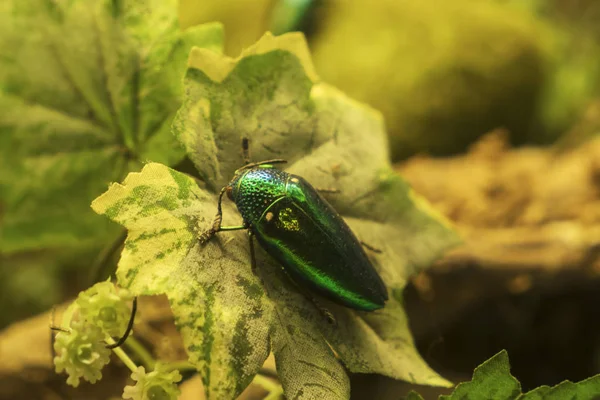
{"x": 59, "y": 329}
{"x": 54, "y": 328}
{"x": 232, "y": 228}
{"x": 219, "y": 217}
{"x": 252, "y": 254}
{"x": 373, "y": 249}
{"x": 208, "y": 234}
{"x": 129, "y": 327}
{"x": 246, "y": 156}
{"x": 216, "y": 225}
{"x": 325, "y": 312}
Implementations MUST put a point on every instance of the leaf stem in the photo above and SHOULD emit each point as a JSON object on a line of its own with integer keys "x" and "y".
{"x": 143, "y": 354}
{"x": 181, "y": 366}
{"x": 275, "y": 389}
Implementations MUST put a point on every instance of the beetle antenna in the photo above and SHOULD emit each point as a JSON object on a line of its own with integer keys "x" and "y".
{"x": 272, "y": 161}
{"x": 54, "y": 328}
{"x": 246, "y": 155}
{"x": 246, "y": 150}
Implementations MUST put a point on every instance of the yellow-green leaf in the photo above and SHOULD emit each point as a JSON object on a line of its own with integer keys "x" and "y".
{"x": 272, "y": 96}
{"x": 219, "y": 305}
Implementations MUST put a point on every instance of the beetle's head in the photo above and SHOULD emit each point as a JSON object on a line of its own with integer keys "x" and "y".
{"x": 232, "y": 188}
{"x": 229, "y": 191}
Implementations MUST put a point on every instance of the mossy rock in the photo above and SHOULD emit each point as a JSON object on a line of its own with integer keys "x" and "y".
{"x": 443, "y": 73}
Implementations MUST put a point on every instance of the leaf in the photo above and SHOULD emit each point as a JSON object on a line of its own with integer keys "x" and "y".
{"x": 491, "y": 380}
{"x": 88, "y": 90}
{"x": 379, "y": 342}
{"x": 588, "y": 389}
{"x": 412, "y": 395}
{"x": 271, "y": 95}
{"x": 306, "y": 365}
{"x": 219, "y": 305}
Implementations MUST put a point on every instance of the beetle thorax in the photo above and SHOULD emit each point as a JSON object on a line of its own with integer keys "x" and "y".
{"x": 254, "y": 190}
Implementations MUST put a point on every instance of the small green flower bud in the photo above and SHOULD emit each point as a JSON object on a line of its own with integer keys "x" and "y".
{"x": 81, "y": 353}
{"x": 156, "y": 385}
{"x": 103, "y": 306}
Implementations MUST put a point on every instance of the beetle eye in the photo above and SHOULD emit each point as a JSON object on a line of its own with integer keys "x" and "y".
{"x": 229, "y": 191}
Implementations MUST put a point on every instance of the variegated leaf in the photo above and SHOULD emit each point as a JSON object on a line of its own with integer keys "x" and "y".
{"x": 272, "y": 96}
{"x": 219, "y": 305}
{"x": 307, "y": 367}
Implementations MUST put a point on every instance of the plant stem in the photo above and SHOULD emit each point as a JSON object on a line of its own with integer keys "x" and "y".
{"x": 122, "y": 355}
{"x": 143, "y": 354}
{"x": 181, "y": 366}
{"x": 275, "y": 390}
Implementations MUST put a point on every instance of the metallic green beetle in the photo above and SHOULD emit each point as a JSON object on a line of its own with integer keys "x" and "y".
{"x": 299, "y": 229}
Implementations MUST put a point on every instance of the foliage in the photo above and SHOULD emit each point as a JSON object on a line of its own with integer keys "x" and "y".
{"x": 492, "y": 380}
{"x": 88, "y": 90}
{"x": 230, "y": 320}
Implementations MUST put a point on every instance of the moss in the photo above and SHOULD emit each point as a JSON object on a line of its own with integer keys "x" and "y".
{"x": 443, "y": 73}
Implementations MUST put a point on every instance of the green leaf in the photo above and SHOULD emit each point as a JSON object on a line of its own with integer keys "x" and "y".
{"x": 272, "y": 96}
{"x": 412, "y": 395}
{"x": 379, "y": 342}
{"x": 219, "y": 305}
{"x": 88, "y": 90}
{"x": 306, "y": 365}
{"x": 491, "y": 380}
{"x": 588, "y": 389}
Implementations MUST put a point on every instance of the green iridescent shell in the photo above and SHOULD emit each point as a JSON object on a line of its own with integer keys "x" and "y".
{"x": 303, "y": 232}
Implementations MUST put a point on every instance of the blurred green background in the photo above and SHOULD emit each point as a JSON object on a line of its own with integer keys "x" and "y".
{"x": 443, "y": 73}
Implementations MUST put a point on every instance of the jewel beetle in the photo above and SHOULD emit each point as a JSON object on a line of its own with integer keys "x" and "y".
{"x": 296, "y": 226}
